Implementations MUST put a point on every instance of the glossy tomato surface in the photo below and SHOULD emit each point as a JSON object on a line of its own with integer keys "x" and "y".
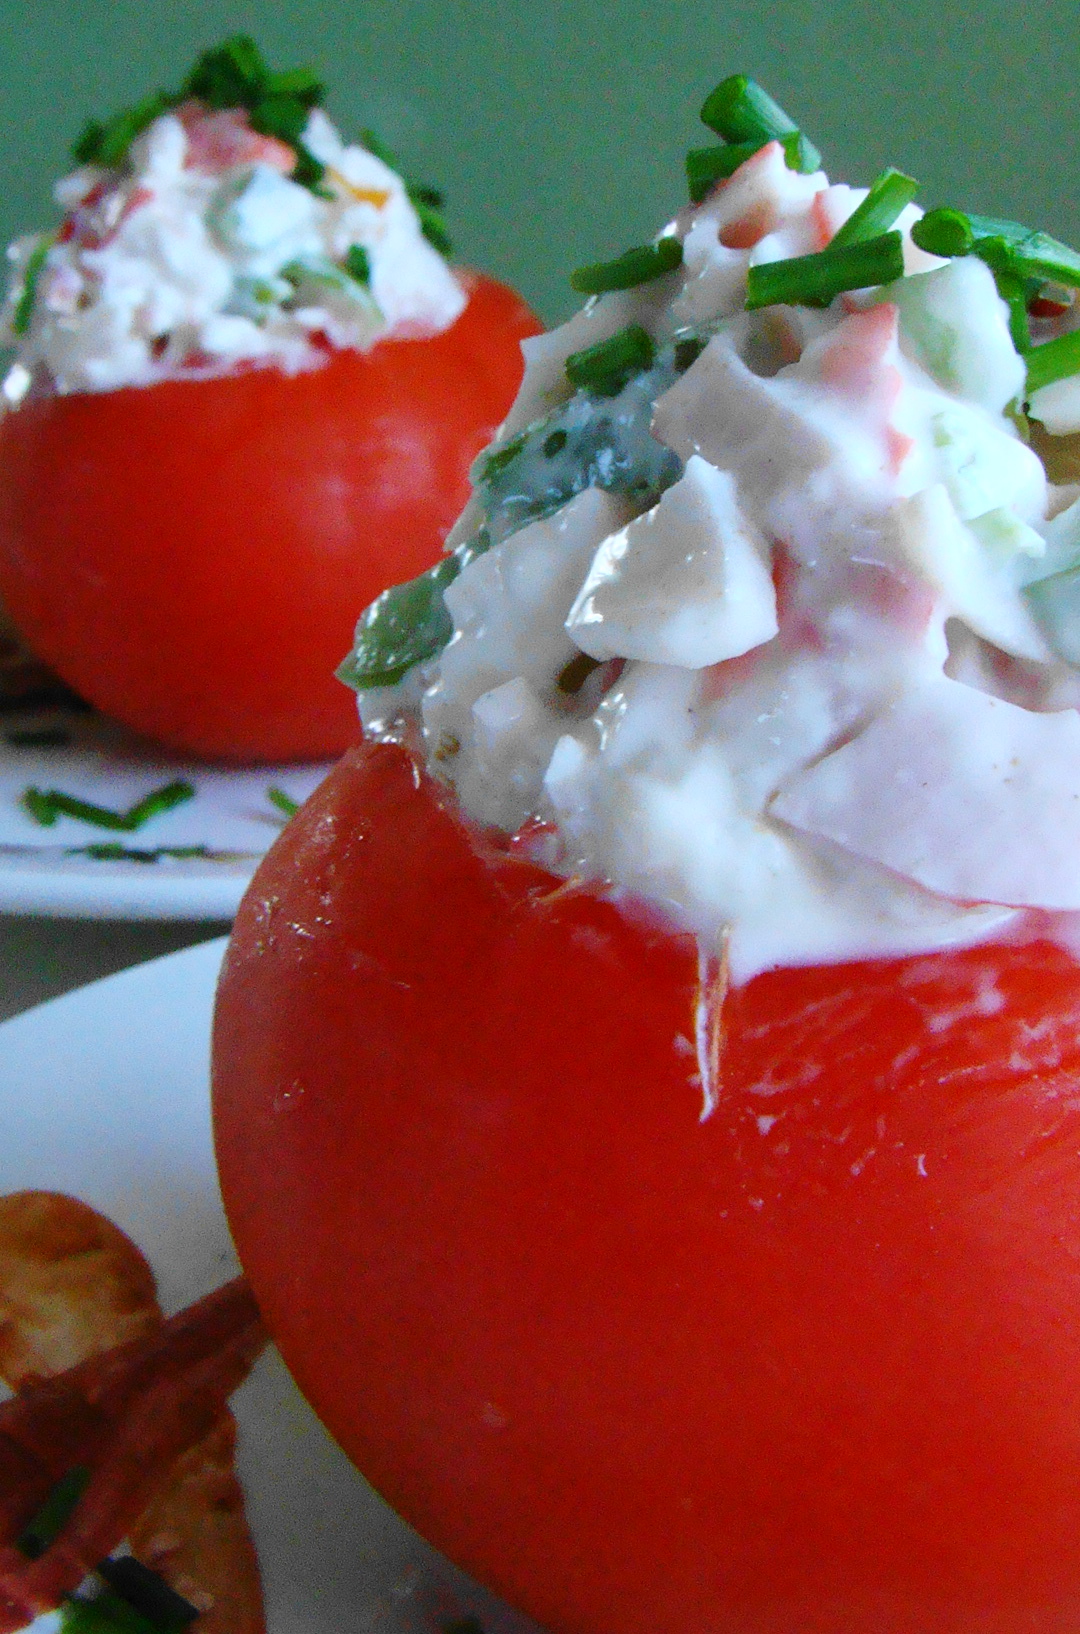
{"x": 192, "y": 556}
{"x": 811, "y": 1364}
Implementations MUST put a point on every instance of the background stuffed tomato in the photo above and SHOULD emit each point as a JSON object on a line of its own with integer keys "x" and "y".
{"x": 191, "y": 556}
{"x": 812, "y": 1364}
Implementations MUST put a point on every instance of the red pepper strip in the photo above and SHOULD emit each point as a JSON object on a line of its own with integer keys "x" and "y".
{"x": 126, "y": 1414}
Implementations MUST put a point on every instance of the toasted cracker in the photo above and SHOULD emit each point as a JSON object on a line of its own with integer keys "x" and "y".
{"x": 72, "y": 1285}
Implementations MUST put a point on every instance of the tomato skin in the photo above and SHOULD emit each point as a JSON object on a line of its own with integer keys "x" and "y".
{"x": 812, "y": 1364}
{"x": 192, "y": 556}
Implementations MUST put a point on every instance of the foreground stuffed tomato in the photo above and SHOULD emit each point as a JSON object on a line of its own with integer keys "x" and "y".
{"x": 810, "y": 1364}
{"x": 190, "y": 556}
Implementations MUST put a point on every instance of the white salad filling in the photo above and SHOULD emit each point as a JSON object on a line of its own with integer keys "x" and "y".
{"x": 200, "y": 253}
{"x": 827, "y": 707}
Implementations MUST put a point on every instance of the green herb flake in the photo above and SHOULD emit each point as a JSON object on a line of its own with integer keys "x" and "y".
{"x": 500, "y": 458}
{"x": 815, "y": 280}
{"x": 358, "y": 264}
{"x": 282, "y": 116}
{"x": 889, "y": 195}
{"x": 408, "y": 624}
{"x": 24, "y": 306}
{"x": 54, "y": 1513}
{"x": 45, "y": 806}
{"x": 637, "y": 266}
{"x": 606, "y": 367}
{"x": 147, "y": 1592}
{"x": 284, "y": 802}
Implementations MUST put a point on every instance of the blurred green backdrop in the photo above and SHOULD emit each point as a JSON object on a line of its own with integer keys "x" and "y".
{"x": 558, "y": 128}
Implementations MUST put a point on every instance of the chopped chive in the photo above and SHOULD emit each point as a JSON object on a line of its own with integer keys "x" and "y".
{"x": 230, "y": 75}
{"x": 1005, "y": 246}
{"x": 1014, "y": 292}
{"x": 637, "y": 266}
{"x": 944, "y": 232}
{"x": 106, "y": 1613}
{"x": 408, "y": 624}
{"x": 815, "y": 280}
{"x": 147, "y": 1592}
{"x": 46, "y": 805}
{"x": 358, "y": 264}
{"x": 113, "y": 851}
{"x": 1053, "y": 360}
{"x": 170, "y": 795}
{"x": 606, "y": 367}
{"x": 39, "y": 737}
{"x": 688, "y": 350}
{"x": 707, "y": 166}
{"x": 284, "y": 802}
{"x": 282, "y": 116}
{"x": 301, "y": 83}
{"x": 740, "y": 111}
{"x": 554, "y": 443}
{"x": 24, "y": 307}
{"x": 54, "y": 1513}
{"x": 432, "y": 224}
{"x": 502, "y": 457}
{"x": 889, "y": 194}
{"x": 309, "y": 172}
{"x": 107, "y": 143}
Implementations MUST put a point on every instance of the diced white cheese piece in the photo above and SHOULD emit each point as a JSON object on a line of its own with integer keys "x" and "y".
{"x": 984, "y": 464}
{"x": 715, "y": 276}
{"x": 1057, "y": 406}
{"x": 508, "y": 608}
{"x": 1062, "y": 539}
{"x": 685, "y": 584}
{"x": 968, "y": 795}
{"x": 947, "y": 556}
{"x": 737, "y": 421}
{"x": 263, "y": 208}
{"x": 956, "y": 325}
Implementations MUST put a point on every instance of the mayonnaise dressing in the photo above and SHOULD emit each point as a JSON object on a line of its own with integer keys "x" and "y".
{"x": 201, "y": 253}
{"x": 760, "y": 638}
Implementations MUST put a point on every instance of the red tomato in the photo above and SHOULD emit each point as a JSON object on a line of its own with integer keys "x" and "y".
{"x": 192, "y": 556}
{"x": 812, "y": 1364}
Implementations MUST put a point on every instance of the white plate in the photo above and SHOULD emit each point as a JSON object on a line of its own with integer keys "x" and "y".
{"x": 47, "y": 870}
{"x": 104, "y": 1095}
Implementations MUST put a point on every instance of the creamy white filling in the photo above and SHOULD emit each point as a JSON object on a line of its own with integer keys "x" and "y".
{"x": 831, "y": 718}
{"x": 202, "y": 254}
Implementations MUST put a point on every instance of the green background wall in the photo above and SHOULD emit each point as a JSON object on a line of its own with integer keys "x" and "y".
{"x": 557, "y": 127}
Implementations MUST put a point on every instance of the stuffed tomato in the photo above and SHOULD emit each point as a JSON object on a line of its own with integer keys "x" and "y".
{"x": 646, "y": 1072}
{"x": 247, "y": 393}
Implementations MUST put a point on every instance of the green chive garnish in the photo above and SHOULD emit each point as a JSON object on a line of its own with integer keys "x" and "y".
{"x": 606, "y": 367}
{"x": 112, "y": 851}
{"x": 740, "y": 111}
{"x": 707, "y": 166}
{"x": 815, "y": 280}
{"x": 230, "y": 75}
{"x": 284, "y": 802}
{"x": 358, "y": 264}
{"x": 1014, "y": 292}
{"x": 944, "y": 232}
{"x": 1053, "y": 360}
{"x": 502, "y": 457}
{"x": 147, "y": 1592}
{"x": 24, "y": 307}
{"x": 889, "y": 194}
{"x": 637, "y": 266}
{"x": 432, "y": 224}
{"x": 408, "y": 624}
{"x": 1004, "y": 245}
{"x": 45, "y": 806}
{"x": 54, "y": 1513}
